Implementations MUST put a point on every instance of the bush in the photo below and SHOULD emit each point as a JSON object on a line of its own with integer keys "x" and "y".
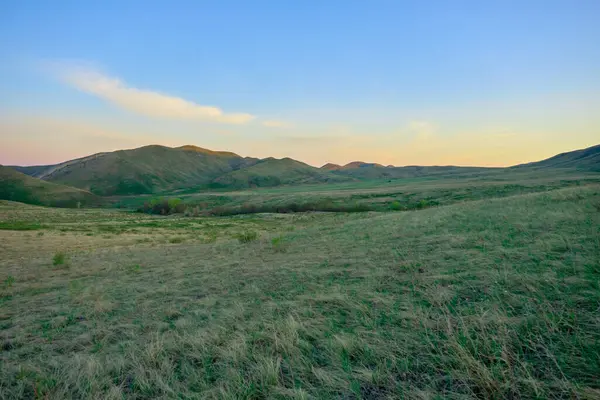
{"x": 192, "y": 212}
{"x": 246, "y": 237}
{"x": 323, "y": 205}
{"x": 59, "y": 258}
{"x": 163, "y": 206}
{"x": 396, "y": 206}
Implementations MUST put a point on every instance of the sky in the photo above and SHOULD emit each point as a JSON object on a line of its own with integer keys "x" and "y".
{"x": 488, "y": 83}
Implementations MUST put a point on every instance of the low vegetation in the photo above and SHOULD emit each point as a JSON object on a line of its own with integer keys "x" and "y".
{"x": 491, "y": 293}
{"x": 247, "y": 237}
{"x": 59, "y": 259}
{"x": 163, "y": 206}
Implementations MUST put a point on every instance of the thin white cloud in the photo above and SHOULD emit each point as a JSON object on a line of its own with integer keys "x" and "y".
{"x": 146, "y": 102}
{"x": 272, "y": 123}
{"x": 422, "y": 129}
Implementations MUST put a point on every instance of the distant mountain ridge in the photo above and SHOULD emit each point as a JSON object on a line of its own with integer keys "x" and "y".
{"x": 159, "y": 169}
{"x": 155, "y": 169}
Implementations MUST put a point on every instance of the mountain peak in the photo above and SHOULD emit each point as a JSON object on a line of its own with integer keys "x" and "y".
{"x": 331, "y": 167}
{"x": 201, "y": 150}
{"x": 360, "y": 164}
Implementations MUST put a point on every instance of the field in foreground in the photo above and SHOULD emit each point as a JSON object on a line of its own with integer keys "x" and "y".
{"x": 495, "y": 298}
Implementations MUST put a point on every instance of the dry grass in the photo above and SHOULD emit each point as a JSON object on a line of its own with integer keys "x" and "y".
{"x": 486, "y": 299}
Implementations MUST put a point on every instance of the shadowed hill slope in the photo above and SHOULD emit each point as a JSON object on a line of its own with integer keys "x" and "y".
{"x": 585, "y": 159}
{"x": 16, "y": 186}
{"x": 582, "y": 160}
{"x": 274, "y": 172}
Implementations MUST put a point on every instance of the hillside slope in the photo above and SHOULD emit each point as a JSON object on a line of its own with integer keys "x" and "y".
{"x": 16, "y": 186}
{"x": 148, "y": 169}
{"x": 159, "y": 169}
{"x": 274, "y": 172}
{"x": 585, "y": 159}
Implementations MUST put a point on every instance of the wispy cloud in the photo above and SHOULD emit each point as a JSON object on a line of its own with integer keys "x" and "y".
{"x": 422, "y": 129}
{"x": 276, "y": 124}
{"x": 146, "y": 102}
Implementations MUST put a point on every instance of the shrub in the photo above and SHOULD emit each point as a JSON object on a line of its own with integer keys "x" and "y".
{"x": 396, "y": 206}
{"x": 163, "y": 206}
{"x": 59, "y": 258}
{"x": 192, "y": 212}
{"x": 246, "y": 237}
{"x": 8, "y": 282}
{"x": 323, "y": 205}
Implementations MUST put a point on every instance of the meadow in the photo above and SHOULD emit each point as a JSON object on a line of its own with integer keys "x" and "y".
{"x": 479, "y": 287}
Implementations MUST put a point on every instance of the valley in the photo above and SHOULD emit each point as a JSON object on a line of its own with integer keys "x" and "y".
{"x": 478, "y": 283}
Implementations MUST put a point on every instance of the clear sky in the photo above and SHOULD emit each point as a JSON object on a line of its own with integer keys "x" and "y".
{"x": 394, "y": 82}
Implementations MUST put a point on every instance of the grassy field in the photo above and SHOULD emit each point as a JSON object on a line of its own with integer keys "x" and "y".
{"x": 377, "y": 195}
{"x": 491, "y": 292}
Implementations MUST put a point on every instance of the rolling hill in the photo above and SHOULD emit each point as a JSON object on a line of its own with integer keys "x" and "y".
{"x": 275, "y": 172}
{"x": 582, "y": 160}
{"x": 160, "y": 169}
{"x": 585, "y": 159}
{"x": 148, "y": 169}
{"x": 16, "y": 186}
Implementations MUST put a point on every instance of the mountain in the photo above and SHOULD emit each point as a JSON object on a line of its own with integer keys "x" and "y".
{"x": 274, "y": 172}
{"x": 585, "y": 159}
{"x": 331, "y": 167}
{"x": 361, "y": 164}
{"x": 201, "y": 150}
{"x": 351, "y": 165}
{"x": 160, "y": 169}
{"x": 16, "y": 186}
{"x": 148, "y": 169}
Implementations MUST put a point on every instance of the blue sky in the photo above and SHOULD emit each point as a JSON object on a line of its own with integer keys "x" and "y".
{"x": 396, "y": 82}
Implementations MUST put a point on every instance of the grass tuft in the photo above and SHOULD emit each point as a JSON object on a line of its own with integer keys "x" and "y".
{"x": 59, "y": 259}
{"x": 247, "y": 236}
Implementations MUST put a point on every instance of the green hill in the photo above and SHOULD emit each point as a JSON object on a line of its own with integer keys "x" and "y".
{"x": 582, "y": 160}
{"x": 159, "y": 169}
{"x": 274, "y": 172}
{"x": 16, "y": 186}
{"x": 149, "y": 169}
{"x": 585, "y": 159}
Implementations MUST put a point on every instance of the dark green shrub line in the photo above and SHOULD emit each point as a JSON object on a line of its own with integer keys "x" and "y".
{"x": 175, "y": 206}
{"x": 289, "y": 208}
{"x": 162, "y": 206}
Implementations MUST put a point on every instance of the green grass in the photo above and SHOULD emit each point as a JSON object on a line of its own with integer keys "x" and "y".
{"x": 15, "y": 186}
{"x": 21, "y": 226}
{"x": 246, "y": 237}
{"x": 477, "y": 297}
{"x": 382, "y": 195}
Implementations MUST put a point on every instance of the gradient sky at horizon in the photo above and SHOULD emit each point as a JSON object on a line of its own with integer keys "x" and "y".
{"x": 489, "y": 83}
